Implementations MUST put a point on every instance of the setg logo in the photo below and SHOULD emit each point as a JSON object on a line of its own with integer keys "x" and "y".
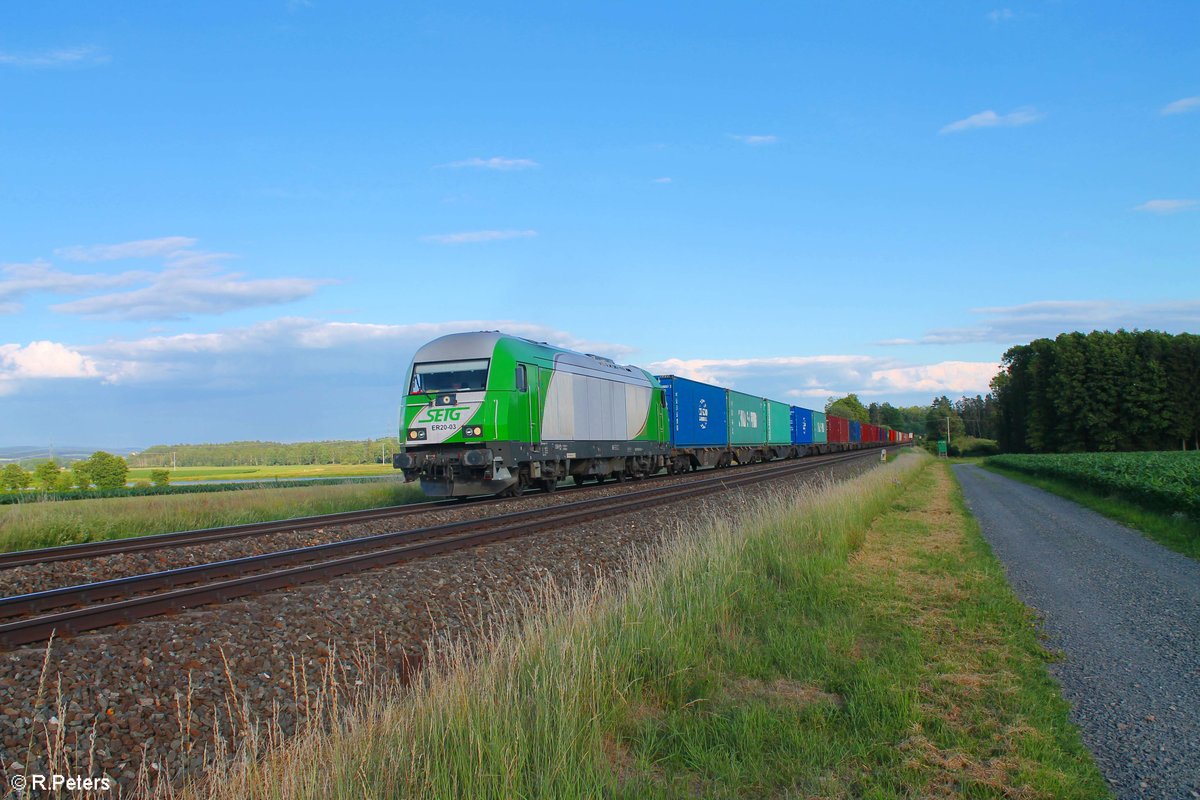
{"x": 442, "y": 415}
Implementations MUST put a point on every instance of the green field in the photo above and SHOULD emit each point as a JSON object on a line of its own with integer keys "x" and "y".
{"x": 1175, "y": 529}
{"x": 293, "y": 471}
{"x": 1163, "y": 481}
{"x": 25, "y": 526}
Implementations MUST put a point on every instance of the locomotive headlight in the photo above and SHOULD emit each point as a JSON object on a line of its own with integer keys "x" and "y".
{"x": 417, "y": 434}
{"x": 472, "y": 431}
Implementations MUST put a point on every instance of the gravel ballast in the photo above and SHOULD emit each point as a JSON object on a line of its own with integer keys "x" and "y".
{"x": 162, "y": 694}
{"x": 1124, "y": 611}
{"x": 59, "y": 574}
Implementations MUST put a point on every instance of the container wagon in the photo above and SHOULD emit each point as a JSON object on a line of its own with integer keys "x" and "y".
{"x": 699, "y": 422}
{"x": 779, "y": 430}
{"x": 839, "y": 430}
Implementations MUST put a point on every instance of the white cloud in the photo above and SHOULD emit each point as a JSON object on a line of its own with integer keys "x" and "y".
{"x": 809, "y": 380}
{"x": 183, "y": 291}
{"x": 165, "y": 247}
{"x": 952, "y": 378}
{"x": 302, "y": 350}
{"x": 755, "y": 140}
{"x": 40, "y": 361}
{"x": 728, "y": 371}
{"x": 192, "y": 282}
{"x": 1001, "y": 15}
{"x": 1182, "y": 105}
{"x": 1009, "y": 325}
{"x": 305, "y": 352}
{"x": 990, "y": 119}
{"x": 496, "y": 163}
{"x": 299, "y": 349}
{"x": 40, "y": 276}
{"x": 61, "y": 57}
{"x": 472, "y": 237}
{"x": 1166, "y": 206}
{"x": 661, "y": 180}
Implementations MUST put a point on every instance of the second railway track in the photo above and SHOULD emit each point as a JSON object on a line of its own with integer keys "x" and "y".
{"x": 107, "y": 603}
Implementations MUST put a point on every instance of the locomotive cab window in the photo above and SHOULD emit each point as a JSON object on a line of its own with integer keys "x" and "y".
{"x": 449, "y": 376}
{"x": 522, "y": 379}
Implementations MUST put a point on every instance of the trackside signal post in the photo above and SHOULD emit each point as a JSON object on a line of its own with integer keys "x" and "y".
{"x": 942, "y": 448}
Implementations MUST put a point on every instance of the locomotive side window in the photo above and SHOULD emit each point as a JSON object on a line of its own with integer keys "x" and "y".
{"x": 522, "y": 379}
{"x": 449, "y": 376}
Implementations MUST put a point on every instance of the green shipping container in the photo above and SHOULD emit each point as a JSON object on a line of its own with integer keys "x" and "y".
{"x": 779, "y": 423}
{"x": 747, "y": 419}
{"x": 820, "y": 435}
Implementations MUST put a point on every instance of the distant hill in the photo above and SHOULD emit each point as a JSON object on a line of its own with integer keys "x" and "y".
{"x": 64, "y": 453}
{"x": 225, "y": 454}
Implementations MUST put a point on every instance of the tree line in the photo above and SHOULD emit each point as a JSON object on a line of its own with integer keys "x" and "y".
{"x": 259, "y": 454}
{"x": 973, "y": 422}
{"x": 102, "y": 470}
{"x": 910, "y": 419}
{"x": 1128, "y": 390}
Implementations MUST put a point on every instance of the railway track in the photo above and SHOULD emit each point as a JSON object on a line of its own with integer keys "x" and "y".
{"x": 40, "y": 615}
{"x": 138, "y": 544}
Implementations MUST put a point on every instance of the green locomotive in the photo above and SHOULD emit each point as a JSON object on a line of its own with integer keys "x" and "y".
{"x": 489, "y": 413}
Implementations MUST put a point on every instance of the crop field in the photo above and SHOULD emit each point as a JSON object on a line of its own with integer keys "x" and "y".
{"x": 184, "y": 474}
{"x": 28, "y": 525}
{"x": 1163, "y": 481}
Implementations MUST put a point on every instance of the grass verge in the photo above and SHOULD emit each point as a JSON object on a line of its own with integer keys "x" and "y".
{"x": 25, "y": 526}
{"x": 1177, "y": 532}
{"x": 859, "y": 640}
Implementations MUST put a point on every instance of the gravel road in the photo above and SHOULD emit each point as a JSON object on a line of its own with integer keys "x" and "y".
{"x": 1125, "y": 611}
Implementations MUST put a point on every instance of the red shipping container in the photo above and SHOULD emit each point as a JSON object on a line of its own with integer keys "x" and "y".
{"x": 837, "y": 429}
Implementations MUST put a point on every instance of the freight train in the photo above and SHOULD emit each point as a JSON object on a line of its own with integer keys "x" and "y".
{"x": 489, "y": 413}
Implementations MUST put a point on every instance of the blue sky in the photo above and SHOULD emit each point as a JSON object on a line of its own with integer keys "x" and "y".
{"x": 229, "y": 221}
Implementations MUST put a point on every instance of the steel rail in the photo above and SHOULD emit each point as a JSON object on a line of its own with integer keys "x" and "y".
{"x": 158, "y": 541}
{"x": 216, "y": 585}
{"x": 50, "y": 599}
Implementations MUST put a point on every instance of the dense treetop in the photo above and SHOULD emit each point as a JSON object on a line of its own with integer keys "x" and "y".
{"x": 1078, "y": 392}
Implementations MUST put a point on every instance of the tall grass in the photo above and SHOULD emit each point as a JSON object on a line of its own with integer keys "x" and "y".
{"x": 683, "y": 680}
{"x": 29, "y": 525}
{"x": 567, "y": 704}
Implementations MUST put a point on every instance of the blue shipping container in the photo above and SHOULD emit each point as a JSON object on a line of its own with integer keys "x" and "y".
{"x": 855, "y": 431}
{"x": 696, "y": 412}
{"x": 802, "y": 425}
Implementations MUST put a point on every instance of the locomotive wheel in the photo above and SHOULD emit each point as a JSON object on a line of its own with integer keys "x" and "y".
{"x": 549, "y": 485}
{"x": 620, "y": 476}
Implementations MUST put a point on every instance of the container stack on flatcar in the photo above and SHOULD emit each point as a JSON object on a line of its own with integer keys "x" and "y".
{"x": 488, "y": 413}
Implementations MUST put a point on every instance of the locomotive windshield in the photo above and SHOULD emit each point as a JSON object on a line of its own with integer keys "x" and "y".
{"x": 449, "y": 376}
